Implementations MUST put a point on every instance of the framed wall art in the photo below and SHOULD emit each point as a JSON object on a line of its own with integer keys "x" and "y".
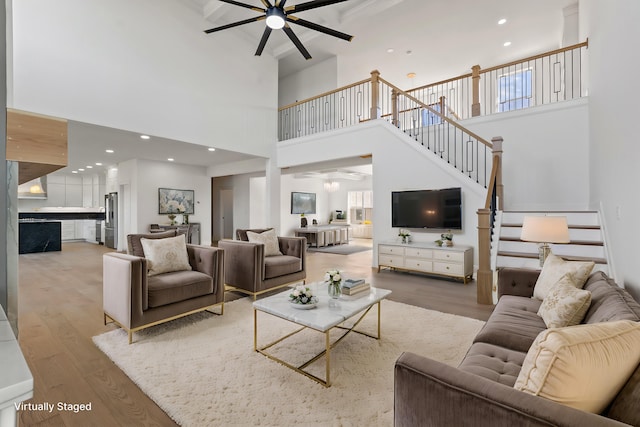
{"x": 172, "y": 201}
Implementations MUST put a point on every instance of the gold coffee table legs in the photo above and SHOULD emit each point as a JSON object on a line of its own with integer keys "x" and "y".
{"x": 326, "y": 352}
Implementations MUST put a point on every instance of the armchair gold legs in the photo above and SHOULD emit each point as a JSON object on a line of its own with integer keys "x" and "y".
{"x": 130, "y": 331}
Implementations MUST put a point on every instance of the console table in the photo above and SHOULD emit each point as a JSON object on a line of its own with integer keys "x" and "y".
{"x": 452, "y": 261}
{"x": 192, "y": 230}
{"x": 324, "y": 235}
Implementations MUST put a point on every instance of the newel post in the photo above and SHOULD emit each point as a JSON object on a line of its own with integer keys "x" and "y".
{"x": 375, "y": 94}
{"x": 497, "y": 156}
{"x": 484, "y": 275}
{"x": 475, "y": 83}
{"x": 394, "y": 108}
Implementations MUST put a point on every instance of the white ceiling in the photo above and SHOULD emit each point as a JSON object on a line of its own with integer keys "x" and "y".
{"x": 444, "y": 38}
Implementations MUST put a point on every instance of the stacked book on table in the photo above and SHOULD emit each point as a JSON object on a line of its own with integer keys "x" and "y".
{"x": 354, "y": 286}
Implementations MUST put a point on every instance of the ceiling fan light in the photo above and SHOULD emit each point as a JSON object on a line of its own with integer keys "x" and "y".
{"x": 275, "y": 18}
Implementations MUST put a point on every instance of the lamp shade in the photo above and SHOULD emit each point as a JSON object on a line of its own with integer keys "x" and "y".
{"x": 545, "y": 229}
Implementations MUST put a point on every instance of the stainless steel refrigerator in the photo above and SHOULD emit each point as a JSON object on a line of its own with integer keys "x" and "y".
{"x": 111, "y": 220}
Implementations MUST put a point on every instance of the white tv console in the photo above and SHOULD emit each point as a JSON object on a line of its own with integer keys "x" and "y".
{"x": 452, "y": 261}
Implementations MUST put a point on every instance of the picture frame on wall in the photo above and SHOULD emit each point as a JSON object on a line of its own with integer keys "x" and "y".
{"x": 173, "y": 201}
{"x": 303, "y": 203}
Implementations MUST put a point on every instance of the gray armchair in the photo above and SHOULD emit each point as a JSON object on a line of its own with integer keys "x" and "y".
{"x": 249, "y": 271}
{"x": 136, "y": 301}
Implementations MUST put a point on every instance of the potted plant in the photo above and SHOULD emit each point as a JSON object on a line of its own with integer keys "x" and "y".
{"x": 405, "y": 235}
{"x": 447, "y": 238}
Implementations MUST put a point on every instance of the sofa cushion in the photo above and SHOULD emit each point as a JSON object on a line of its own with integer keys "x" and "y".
{"x": 178, "y": 286}
{"x": 166, "y": 255}
{"x": 495, "y": 363}
{"x": 268, "y": 239}
{"x": 514, "y": 324}
{"x": 276, "y": 266}
{"x": 554, "y": 268}
{"x": 583, "y": 366}
{"x": 608, "y": 301}
{"x": 134, "y": 247}
{"x": 564, "y": 305}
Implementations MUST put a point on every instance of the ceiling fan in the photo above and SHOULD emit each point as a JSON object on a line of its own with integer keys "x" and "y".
{"x": 277, "y": 17}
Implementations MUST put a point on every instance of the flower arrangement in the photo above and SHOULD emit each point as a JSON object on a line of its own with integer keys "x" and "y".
{"x": 303, "y": 295}
{"x": 404, "y": 235}
{"x": 446, "y": 239}
{"x": 334, "y": 280}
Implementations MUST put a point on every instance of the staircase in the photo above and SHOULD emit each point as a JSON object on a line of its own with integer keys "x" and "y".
{"x": 585, "y": 231}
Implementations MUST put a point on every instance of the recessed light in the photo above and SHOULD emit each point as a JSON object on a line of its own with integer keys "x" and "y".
{"x": 81, "y": 170}
{"x": 502, "y": 21}
{"x": 506, "y": 44}
{"x": 411, "y": 75}
{"x": 74, "y": 171}
{"x": 98, "y": 164}
{"x": 211, "y": 149}
{"x": 108, "y": 151}
{"x": 145, "y": 136}
{"x": 170, "y": 159}
{"x": 89, "y": 167}
{"x": 390, "y": 50}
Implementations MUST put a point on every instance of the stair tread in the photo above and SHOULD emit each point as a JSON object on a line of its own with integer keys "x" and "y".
{"x": 571, "y": 226}
{"x": 566, "y": 257}
{"x": 572, "y": 242}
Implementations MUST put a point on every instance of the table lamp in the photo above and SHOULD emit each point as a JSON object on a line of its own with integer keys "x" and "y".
{"x": 545, "y": 230}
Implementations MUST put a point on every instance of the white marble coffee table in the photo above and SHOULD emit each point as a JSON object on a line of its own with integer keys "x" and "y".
{"x": 328, "y": 314}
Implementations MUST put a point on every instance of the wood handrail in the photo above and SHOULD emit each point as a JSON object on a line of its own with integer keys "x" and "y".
{"x": 463, "y": 76}
{"x": 331, "y": 92}
{"x": 531, "y": 58}
{"x": 534, "y": 57}
{"x": 448, "y": 120}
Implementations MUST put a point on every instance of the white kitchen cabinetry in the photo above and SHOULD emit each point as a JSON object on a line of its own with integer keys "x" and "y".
{"x": 454, "y": 261}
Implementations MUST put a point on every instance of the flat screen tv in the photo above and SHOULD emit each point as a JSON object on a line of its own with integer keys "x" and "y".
{"x": 303, "y": 203}
{"x": 438, "y": 209}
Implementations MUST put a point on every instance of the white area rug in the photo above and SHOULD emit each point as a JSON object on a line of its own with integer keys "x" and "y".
{"x": 202, "y": 370}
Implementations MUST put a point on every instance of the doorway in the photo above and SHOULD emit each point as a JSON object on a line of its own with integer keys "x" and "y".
{"x": 226, "y": 211}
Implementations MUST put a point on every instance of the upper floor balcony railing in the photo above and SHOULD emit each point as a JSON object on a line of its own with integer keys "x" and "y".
{"x": 541, "y": 79}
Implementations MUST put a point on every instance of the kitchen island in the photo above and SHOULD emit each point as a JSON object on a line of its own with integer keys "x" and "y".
{"x": 39, "y": 236}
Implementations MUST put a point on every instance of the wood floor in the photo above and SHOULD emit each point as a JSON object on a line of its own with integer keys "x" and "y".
{"x": 60, "y": 309}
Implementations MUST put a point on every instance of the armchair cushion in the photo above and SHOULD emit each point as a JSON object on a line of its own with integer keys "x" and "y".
{"x": 178, "y": 286}
{"x": 134, "y": 247}
{"x": 268, "y": 239}
{"x": 276, "y": 266}
{"x": 166, "y": 255}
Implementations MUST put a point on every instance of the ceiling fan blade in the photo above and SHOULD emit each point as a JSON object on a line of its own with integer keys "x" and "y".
{"x": 311, "y": 5}
{"x": 263, "y": 40}
{"x": 280, "y": 3}
{"x": 296, "y": 41}
{"x": 320, "y": 28}
{"x": 248, "y": 6}
{"x": 266, "y": 3}
{"x": 235, "y": 24}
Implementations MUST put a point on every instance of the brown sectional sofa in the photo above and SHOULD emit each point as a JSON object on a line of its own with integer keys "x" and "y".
{"x": 480, "y": 391}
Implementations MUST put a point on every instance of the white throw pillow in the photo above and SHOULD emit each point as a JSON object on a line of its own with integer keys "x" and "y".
{"x": 269, "y": 239}
{"x": 166, "y": 255}
{"x": 564, "y": 305}
{"x": 583, "y": 366}
{"x": 554, "y": 268}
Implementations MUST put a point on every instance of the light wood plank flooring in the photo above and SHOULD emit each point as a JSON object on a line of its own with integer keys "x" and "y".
{"x": 60, "y": 309}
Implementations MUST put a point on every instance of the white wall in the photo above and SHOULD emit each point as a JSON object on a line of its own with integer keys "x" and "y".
{"x": 546, "y": 155}
{"x": 138, "y": 183}
{"x": 311, "y": 81}
{"x": 399, "y": 163}
{"x": 288, "y": 221}
{"x": 613, "y": 31}
{"x": 143, "y": 66}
